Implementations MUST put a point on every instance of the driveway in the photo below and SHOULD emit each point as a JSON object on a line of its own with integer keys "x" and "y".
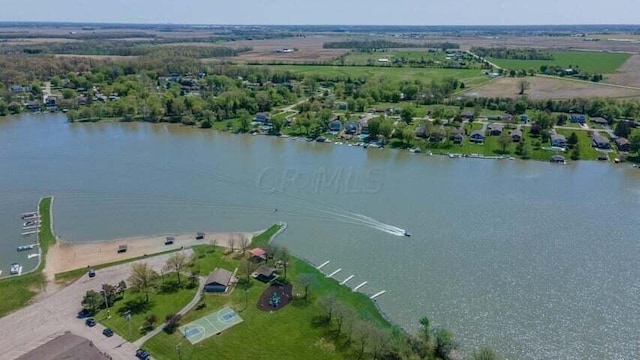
{"x": 52, "y": 315}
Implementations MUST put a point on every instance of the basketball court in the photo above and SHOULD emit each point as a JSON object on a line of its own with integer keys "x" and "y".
{"x": 211, "y": 324}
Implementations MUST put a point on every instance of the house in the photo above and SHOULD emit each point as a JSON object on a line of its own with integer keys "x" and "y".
{"x": 421, "y": 131}
{"x": 600, "y": 142}
{"x": 458, "y": 138}
{"x": 51, "y": 102}
{"x": 516, "y": 135}
{"x": 265, "y": 274}
{"x": 335, "y": 125}
{"x": 578, "y": 118}
{"x": 20, "y": 88}
{"x": 219, "y": 280}
{"x": 477, "y": 137}
{"x": 600, "y": 120}
{"x": 33, "y": 106}
{"x": 559, "y": 159}
{"x": 495, "y": 129}
{"x": 352, "y": 128}
{"x": 262, "y": 118}
{"x": 558, "y": 140}
{"x": 342, "y": 106}
{"x": 467, "y": 115}
{"x": 524, "y": 118}
{"x": 257, "y": 254}
{"x": 623, "y": 144}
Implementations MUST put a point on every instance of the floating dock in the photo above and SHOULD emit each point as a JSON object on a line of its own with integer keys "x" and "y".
{"x": 26, "y": 228}
{"x": 31, "y": 232}
{"x": 377, "y": 294}
{"x": 359, "y": 286}
{"x": 323, "y": 265}
{"x": 347, "y": 279}
{"x": 333, "y": 273}
{"x": 31, "y": 256}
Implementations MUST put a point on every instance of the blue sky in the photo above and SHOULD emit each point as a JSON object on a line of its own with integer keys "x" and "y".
{"x": 386, "y": 12}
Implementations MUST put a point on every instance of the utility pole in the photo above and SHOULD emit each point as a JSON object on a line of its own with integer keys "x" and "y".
{"x": 178, "y": 351}
{"x": 127, "y": 314}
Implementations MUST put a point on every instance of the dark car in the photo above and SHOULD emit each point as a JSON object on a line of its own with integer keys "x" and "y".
{"x": 142, "y": 355}
{"x": 92, "y": 273}
{"x": 84, "y": 313}
{"x": 107, "y": 332}
{"x": 91, "y": 322}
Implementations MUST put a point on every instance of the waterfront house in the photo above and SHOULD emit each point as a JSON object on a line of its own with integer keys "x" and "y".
{"x": 335, "y": 125}
{"x": 33, "y": 106}
{"x": 495, "y": 129}
{"x": 257, "y": 255}
{"x": 467, "y": 115}
{"x": 623, "y": 144}
{"x": 558, "y": 140}
{"x": 524, "y": 118}
{"x": 578, "y": 118}
{"x": 421, "y": 131}
{"x": 219, "y": 280}
{"x": 265, "y": 274}
{"x": 600, "y": 142}
{"x": 477, "y": 137}
{"x": 516, "y": 135}
{"x": 559, "y": 159}
{"x": 352, "y": 128}
{"x": 458, "y": 138}
{"x": 600, "y": 120}
{"x": 262, "y": 118}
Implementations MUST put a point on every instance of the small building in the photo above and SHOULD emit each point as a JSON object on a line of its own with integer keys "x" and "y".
{"x": 623, "y": 144}
{"x": 257, "y": 254}
{"x": 467, "y": 115}
{"x": 516, "y": 135}
{"x": 33, "y": 106}
{"x": 524, "y": 118}
{"x": 335, "y": 125}
{"x": 495, "y": 129}
{"x": 477, "y": 137}
{"x": 421, "y": 131}
{"x": 352, "y": 128}
{"x": 600, "y": 120}
{"x": 219, "y": 280}
{"x": 262, "y": 118}
{"x": 600, "y": 142}
{"x": 342, "y": 106}
{"x": 558, "y": 159}
{"x": 265, "y": 274}
{"x": 578, "y": 118}
{"x": 458, "y": 138}
{"x": 558, "y": 140}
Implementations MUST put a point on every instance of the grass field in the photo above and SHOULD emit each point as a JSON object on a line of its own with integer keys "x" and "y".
{"x": 592, "y": 62}
{"x": 587, "y": 152}
{"x": 395, "y": 74}
{"x": 362, "y": 58}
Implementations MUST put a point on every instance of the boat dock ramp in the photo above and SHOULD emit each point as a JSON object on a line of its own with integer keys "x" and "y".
{"x": 347, "y": 279}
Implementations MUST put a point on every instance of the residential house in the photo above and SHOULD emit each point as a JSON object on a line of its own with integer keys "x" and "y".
{"x": 623, "y": 144}
{"x": 33, "y": 106}
{"x": 467, "y": 115}
{"x": 352, "y": 128}
{"x": 257, "y": 255}
{"x": 364, "y": 123}
{"x": 558, "y": 140}
{"x": 558, "y": 159}
{"x": 600, "y": 120}
{"x": 600, "y": 142}
{"x": 262, "y": 118}
{"x": 524, "y": 118}
{"x": 477, "y": 137}
{"x": 495, "y": 129}
{"x": 516, "y": 135}
{"x": 219, "y": 280}
{"x": 342, "y": 106}
{"x": 51, "y": 103}
{"x": 335, "y": 125}
{"x": 458, "y": 138}
{"x": 421, "y": 132}
{"x": 578, "y": 118}
{"x": 265, "y": 274}
{"x": 20, "y": 88}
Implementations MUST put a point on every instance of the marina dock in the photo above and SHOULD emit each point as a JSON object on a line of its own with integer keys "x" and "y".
{"x": 30, "y": 232}
{"x": 323, "y": 265}
{"x": 333, "y": 273}
{"x": 347, "y": 279}
{"x": 377, "y": 294}
{"x": 359, "y": 286}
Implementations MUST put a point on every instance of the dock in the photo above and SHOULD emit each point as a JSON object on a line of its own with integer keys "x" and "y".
{"x": 323, "y": 265}
{"x": 359, "y": 286}
{"x": 333, "y": 273}
{"x": 31, "y": 232}
{"x": 377, "y": 294}
{"x": 347, "y": 279}
{"x": 30, "y": 227}
{"x": 31, "y": 256}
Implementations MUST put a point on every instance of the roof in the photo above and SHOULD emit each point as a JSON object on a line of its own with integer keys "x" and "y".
{"x": 494, "y": 126}
{"x": 258, "y": 252}
{"x": 219, "y": 276}
{"x": 65, "y": 347}
{"x": 477, "y": 132}
{"x": 600, "y": 120}
{"x": 599, "y": 138}
{"x": 516, "y": 132}
{"x": 457, "y": 131}
{"x": 558, "y": 137}
{"x": 557, "y": 158}
{"x": 265, "y": 271}
{"x": 622, "y": 141}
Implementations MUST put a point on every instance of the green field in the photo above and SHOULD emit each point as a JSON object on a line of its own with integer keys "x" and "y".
{"x": 362, "y": 58}
{"x": 591, "y": 62}
{"x": 395, "y": 74}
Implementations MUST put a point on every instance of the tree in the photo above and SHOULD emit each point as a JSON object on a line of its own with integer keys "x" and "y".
{"x": 306, "y": 280}
{"x": 523, "y": 149}
{"x": 172, "y": 323}
{"x": 408, "y": 135}
{"x": 484, "y": 354}
{"x": 245, "y": 120}
{"x": 142, "y": 278}
{"x": 504, "y": 140}
{"x": 634, "y": 142}
{"x": 341, "y": 313}
{"x": 193, "y": 276}
{"x": 386, "y": 128}
{"x": 622, "y": 129}
{"x": 149, "y": 321}
{"x": 444, "y": 343}
{"x": 176, "y": 262}
{"x": 109, "y": 292}
{"x": 92, "y": 301}
{"x": 425, "y": 328}
{"x": 247, "y": 267}
{"x": 572, "y": 140}
{"x": 362, "y": 331}
{"x": 244, "y": 243}
{"x": 575, "y": 153}
{"x": 327, "y": 304}
{"x": 122, "y": 286}
{"x": 284, "y": 256}
{"x": 374, "y": 127}
{"x": 407, "y": 113}
{"x": 277, "y": 123}
{"x": 523, "y": 85}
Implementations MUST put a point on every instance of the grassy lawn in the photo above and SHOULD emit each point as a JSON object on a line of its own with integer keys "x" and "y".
{"x": 592, "y": 62}
{"x": 263, "y": 238}
{"x": 16, "y": 292}
{"x": 160, "y": 304}
{"x": 289, "y": 333}
{"x": 587, "y": 152}
{"x": 395, "y": 74}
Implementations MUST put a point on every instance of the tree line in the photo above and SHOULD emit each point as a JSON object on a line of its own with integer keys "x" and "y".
{"x": 512, "y": 53}
{"x": 374, "y": 45}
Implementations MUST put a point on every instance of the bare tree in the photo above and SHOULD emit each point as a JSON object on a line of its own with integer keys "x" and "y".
{"x": 328, "y": 303}
{"x": 142, "y": 278}
{"x": 341, "y": 313}
{"x": 244, "y": 243}
{"x": 523, "y": 85}
{"x": 232, "y": 244}
{"x": 306, "y": 280}
{"x": 176, "y": 262}
{"x": 380, "y": 340}
{"x": 247, "y": 267}
{"x": 284, "y": 256}
{"x": 362, "y": 336}
{"x": 213, "y": 242}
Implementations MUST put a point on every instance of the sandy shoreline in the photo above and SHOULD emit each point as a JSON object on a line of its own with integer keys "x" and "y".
{"x": 65, "y": 256}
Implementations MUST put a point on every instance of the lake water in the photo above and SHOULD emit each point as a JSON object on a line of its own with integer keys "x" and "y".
{"x": 539, "y": 261}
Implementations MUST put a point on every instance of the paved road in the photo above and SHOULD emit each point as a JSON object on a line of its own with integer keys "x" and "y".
{"x": 55, "y": 313}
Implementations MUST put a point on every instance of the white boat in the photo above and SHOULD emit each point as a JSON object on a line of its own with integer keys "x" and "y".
{"x": 406, "y": 233}
{"x": 26, "y": 247}
{"x": 31, "y": 256}
{"x": 29, "y": 216}
{"x": 30, "y": 223}
{"x": 16, "y": 269}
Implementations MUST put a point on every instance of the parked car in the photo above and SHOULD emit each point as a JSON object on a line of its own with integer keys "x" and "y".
{"x": 107, "y": 332}
{"x": 92, "y": 273}
{"x": 84, "y": 313}
{"x": 90, "y": 322}
{"x": 142, "y": 355}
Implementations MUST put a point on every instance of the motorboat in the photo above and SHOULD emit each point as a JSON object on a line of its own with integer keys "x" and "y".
{"x": 15, "y": 269}
{"x": 406, "y": 233}
{"x": 26, "y": 247}
{"x": 29, "y": 216}
{"x": 30, "y": 223}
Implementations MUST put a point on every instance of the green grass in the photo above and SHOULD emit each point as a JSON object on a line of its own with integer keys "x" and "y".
{"x": 159, "y": 304}
{"x": 289, "y": 333}
{"x": 17, "y": 292}
{"x": 394, "y": 74}
{"x": 592, "y": 62}
{"x": 587, "y": 152}
{"x": 264, "y": 237}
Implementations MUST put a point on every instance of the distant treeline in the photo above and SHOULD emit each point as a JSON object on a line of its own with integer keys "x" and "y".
{"x": 368, "y": 45}
{"x": 126, "y": 48}
{"x": 511, "y": 53}
{"x": 75, "y": 35}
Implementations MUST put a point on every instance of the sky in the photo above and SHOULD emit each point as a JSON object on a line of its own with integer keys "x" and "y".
{"x": 327, "y": 12}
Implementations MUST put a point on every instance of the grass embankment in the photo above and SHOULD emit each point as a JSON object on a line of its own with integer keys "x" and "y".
{"x": 292, "y": 332}
{"x": 589, "y": 61}
{"x": 16, "y": 292}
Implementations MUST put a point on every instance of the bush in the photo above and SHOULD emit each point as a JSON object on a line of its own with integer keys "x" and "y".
{"x": 172, "y": 323}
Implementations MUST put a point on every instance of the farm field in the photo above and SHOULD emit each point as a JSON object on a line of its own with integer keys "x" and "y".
{"x": 469, "y": 77}
{"x": 362, "y": 58}
{"x": 592, "y": 62}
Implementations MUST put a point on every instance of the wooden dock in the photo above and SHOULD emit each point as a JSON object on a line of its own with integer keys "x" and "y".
{"x": 323, "y": 265}
{"x": 333, "y": 273}
{"x": 377, "y": 294}
{"x": 29, "y": 233}
{"x": 347, "y": 279}
{"x": 359, "y": 286}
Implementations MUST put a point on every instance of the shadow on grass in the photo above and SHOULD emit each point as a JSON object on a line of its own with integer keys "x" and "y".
{"x": 169, "y": 287}
{"x": 136, "y": 306}
{"x": 319, "y": 321}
